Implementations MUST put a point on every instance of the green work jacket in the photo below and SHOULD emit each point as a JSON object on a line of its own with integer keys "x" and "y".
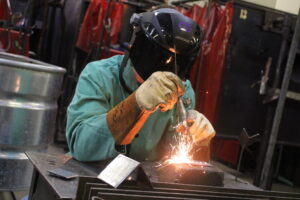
{"x": 98, "y": 90}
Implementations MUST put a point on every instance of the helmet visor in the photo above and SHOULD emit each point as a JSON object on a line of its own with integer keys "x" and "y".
{"x": 148, "y": 57}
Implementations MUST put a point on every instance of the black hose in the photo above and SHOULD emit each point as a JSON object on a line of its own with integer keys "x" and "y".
{"x": 13, "y": 195}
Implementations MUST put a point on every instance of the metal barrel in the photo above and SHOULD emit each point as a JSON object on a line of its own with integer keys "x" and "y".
{"x": 29, "y": 90}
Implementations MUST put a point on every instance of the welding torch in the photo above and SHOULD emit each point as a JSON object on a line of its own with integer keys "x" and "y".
{"x": 183, "y": 126}
{"x": 181, "y": 113}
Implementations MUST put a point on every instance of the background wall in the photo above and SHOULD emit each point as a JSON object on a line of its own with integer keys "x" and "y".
{"x": 291, "y": 6}
{"x": 267, "y": 3}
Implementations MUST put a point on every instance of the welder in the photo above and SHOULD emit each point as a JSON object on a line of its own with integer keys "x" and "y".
{"x": 125, "y": 104}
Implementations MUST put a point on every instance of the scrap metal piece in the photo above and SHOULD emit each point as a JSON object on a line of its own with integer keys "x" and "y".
{"x": 118, "y": 170}
{"x": 245, "y": 140}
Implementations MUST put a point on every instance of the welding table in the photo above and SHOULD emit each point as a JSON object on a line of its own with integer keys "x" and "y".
{"x": 87, "y": 186}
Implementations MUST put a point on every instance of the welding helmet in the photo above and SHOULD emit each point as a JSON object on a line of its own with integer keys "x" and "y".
{"x": 161, "y": 36}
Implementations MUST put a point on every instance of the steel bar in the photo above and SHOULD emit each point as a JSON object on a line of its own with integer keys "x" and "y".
{"x": 240, "y": 161}
{"x": 285, "y": 37}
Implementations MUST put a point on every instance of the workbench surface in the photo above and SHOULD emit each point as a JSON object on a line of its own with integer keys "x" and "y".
{"x": 66, "y": 189}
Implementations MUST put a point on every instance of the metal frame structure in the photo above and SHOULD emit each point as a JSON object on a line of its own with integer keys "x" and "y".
{"x": 266, "y": 175}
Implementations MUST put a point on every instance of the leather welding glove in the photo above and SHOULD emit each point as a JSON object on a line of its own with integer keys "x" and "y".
{"x": 160, "y": 90}
{"x": 201, "y": 129}
{"x": 202, "y": 133}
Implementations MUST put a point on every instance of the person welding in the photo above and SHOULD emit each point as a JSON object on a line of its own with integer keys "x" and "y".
{"x": 125, "y": 104}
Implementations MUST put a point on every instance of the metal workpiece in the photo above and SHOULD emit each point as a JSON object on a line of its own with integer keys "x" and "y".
{"x": 29, "y": 90}
{"x": 200, "y": 173}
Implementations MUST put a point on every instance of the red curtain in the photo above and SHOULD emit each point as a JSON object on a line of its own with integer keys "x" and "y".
{"x": 206, "y": 74}
{"x": 12, "y": 41}
{"x": 5, "y": 11}
{"x": 90, "y": 32}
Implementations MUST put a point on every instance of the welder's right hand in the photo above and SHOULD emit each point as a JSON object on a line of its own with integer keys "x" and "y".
{"x": 160, "y": 90}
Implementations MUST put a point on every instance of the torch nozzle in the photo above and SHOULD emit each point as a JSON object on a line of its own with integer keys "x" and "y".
{"x": 182, "y": 126}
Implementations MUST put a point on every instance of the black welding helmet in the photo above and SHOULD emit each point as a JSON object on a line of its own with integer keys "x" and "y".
{"x": 163, "y": 35}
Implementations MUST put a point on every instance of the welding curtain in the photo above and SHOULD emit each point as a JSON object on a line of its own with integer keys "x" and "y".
{"x": 12, "y": 41}
{"x": 206, "y": 74}
{"x": 93, "y": 30}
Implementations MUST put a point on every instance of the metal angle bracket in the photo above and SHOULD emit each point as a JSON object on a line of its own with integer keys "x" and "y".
{"x": 123, "y": 169}
{"x": 245, "y": 140}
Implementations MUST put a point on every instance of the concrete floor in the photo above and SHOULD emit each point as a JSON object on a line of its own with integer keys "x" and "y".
{"x": 277, "y": 186}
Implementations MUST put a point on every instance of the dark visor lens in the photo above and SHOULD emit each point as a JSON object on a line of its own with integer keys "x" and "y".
{"x": 148, "y": 57}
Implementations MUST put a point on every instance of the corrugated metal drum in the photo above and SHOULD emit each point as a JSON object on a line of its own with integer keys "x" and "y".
{"x": 28, "y": 104}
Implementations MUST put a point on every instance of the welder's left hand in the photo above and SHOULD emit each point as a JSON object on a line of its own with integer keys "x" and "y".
{"x": 200, "y": 128}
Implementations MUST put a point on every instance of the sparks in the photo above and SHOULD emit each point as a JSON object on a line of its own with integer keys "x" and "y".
{"x": 181, "y": 153}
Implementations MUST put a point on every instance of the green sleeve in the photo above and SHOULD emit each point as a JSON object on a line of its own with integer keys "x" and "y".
{"x": 88, "y": 136}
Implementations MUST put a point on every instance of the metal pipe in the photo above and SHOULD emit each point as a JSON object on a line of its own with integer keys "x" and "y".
{"x": 263, "y": 146}
{"x": 285, "y": 37}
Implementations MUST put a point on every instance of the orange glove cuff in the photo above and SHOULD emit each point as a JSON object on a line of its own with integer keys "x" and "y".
{"x": 125, "y": 120}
